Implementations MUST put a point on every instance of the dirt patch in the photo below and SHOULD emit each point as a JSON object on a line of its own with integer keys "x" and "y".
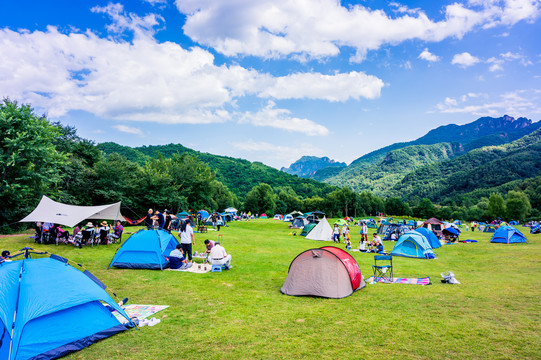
{"x": 5, "y": 236}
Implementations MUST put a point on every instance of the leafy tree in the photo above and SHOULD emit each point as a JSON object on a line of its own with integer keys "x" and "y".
{"x": 395, "y": 206}
{"x": 496, "y": 206}
{"x": 260, "y": 199}
{"x": 30, "y": 164}
{"x": 425, "y": 209}
{"x": 517, "y": 205}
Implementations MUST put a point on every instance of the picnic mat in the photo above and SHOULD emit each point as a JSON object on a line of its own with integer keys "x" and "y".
{"x": 468, "y": 241}
{"x": 410, "y": 281}
{"x": 196, "y": 268}
{"x": 139, "y": 311}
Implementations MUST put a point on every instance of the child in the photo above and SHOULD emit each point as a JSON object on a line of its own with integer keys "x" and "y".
{"x": 348, "y": 243}
{"x": 176, "y": 258}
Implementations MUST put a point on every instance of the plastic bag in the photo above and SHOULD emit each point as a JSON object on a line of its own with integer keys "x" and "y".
{"x": 449, "y": 278}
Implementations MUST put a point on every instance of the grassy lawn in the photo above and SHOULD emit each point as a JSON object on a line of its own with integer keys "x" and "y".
{"x": 240, "y": 314}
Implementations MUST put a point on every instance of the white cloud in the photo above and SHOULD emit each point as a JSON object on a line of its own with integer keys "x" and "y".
{"x": 316, "y": 29}
{"x": 495, "y": 67}
{"x": 428, "y": 56}
{"x": 281, "y": 119}
{"x": 515, "y": 103}
{"x": 129, "y": 130}
{"x": 144, "y": 80}
{"x": 465, "y": 59}
{"x": 338, "y": 87}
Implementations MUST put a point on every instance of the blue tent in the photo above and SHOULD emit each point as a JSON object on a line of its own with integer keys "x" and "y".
{"x": 146, "y": 249}
{"x": 430, "y": 236}
{"x": 413, "y": 244}
{"x": 508, "y": 235}
{"x": 49, "y": 309}
{"x": 204, "y": 214}
{"x": 513, "y": 222}
{"x": 457, "y": 222}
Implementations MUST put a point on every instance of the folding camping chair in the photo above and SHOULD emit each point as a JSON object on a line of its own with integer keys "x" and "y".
{"x": 103, "y": 237}
{"x": 87, "y": 237}
{"x": 384, "y": 272}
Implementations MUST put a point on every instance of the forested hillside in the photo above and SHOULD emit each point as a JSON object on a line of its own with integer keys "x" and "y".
{"x": 307, "y": 166}
{"x": 239, "y": 175}
{"x": 477, "y": 173}
{"x": 380, "y": 170}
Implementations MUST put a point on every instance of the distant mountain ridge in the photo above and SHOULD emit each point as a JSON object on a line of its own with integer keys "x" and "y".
{"x": 307, "y": 166}
{"x": 380, "y": 170}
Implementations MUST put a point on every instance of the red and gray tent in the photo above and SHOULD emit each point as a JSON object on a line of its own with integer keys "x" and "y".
{"x": 326, "y": 272}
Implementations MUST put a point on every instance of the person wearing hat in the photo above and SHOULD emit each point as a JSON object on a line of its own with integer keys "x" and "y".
{"x": 90, "y": 227}
{"x": 103, "y": 232}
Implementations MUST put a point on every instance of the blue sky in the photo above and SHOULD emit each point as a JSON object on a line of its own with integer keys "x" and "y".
{"x": 271, "y": 80}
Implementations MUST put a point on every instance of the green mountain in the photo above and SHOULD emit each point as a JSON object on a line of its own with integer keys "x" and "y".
{"x": 380, "y": 170}
{"x": 476, "y": 173}
{"x": 309, "y": 165}
{"x": 239, "y": 175}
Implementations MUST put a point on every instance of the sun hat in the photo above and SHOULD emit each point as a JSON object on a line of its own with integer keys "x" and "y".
{"x": 89, "y": 224}
{"x": 103, "y": 223}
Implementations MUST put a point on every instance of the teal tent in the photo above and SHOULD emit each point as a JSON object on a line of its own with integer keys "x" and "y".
{"x": 412, "y": 244}
{"x": 307, "y": 228}
{"x": 146, "y": 249}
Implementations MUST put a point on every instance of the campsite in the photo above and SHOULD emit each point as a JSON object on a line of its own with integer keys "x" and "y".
{"x": 241, "y": 313}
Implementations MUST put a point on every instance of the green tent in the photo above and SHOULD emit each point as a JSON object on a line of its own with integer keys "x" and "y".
{"x": 307, "y": 228}
{"x": 340, "y": 222}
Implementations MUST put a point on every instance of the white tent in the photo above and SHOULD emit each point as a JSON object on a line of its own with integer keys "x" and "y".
{"x": 322, "y": 231}
{"x": 70, "y": 215}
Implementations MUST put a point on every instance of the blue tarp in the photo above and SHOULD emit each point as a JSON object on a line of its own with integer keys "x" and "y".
{"x": 412, "y": 244}
{"x": 58, "y": 309}
{"x": 430, "y": 236}
{"x": 146, "y": 249}
{"x": 508, "y": 235}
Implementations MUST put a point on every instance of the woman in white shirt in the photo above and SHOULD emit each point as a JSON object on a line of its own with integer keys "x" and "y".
{"x": 187, "y": 239}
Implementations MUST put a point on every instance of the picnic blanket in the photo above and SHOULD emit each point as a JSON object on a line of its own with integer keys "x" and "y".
{"x": 196, "y": 268}
{"x": 468, "y": 241}
{"x": 139, "y": 311}
{"x": 409, "y": 281}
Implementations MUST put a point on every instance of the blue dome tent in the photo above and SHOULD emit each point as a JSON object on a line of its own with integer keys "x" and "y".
{"x": 430, "y": 236}
{"x": 49, "y": 308}
{"x": 508, "y": 235}
{"x": 413, "y": 244}
{"x": 146, "y": 249}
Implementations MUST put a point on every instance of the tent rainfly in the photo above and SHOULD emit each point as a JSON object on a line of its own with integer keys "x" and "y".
{"x": 70, "y": 215}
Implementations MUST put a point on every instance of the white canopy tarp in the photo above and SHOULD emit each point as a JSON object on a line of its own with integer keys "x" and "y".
{"x": 70, "y": 215}
{"x": 322, "y": 231}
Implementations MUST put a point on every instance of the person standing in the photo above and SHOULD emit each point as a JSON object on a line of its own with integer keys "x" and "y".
{"x": 149, "y": 221}
{"x": 158, "y": 216}
{"x": 336, "y": 233}
{"x": 364, "y": 232}
{"x": 187, "y": 239}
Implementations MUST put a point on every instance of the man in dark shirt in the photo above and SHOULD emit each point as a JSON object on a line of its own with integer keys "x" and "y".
{"x": 161, "y": 219}
{"x": 149, "y": 221}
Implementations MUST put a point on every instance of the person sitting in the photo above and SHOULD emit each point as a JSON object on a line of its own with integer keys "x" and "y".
{"x": 62, "y": 234}
{"x": 103, "y": 232}
{"x": 218, "y": 256}
{"x": 176, "y": 258}
{"x": 362, "y": 246}
{"x": 117, "y": 232}
{"x": 88, "y": 233}
{"x": 5, "y": 256}
{"x": 209, "y": 244}
{"x": 379, "y": 248}
{"x": 394, "y": 236}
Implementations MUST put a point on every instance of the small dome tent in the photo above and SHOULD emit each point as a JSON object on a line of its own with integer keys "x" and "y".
{"x": 508, "y": 235}
{"x": 49, "y": 308}
{"x": 430, "y": 236}
{"x": 146, "y": 249}
{"x": 322, "y": 231}
{"x": 307, "y": 228}
{"x": 299, "y": 222}
{"x": 325, "y": 272}
{"x": 412, "y": 244}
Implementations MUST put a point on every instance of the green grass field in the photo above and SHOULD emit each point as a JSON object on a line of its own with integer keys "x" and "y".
{"x": 241, "y": 314}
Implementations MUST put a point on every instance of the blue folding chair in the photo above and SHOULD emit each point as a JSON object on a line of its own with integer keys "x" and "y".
{"x": 385, "y": 271}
